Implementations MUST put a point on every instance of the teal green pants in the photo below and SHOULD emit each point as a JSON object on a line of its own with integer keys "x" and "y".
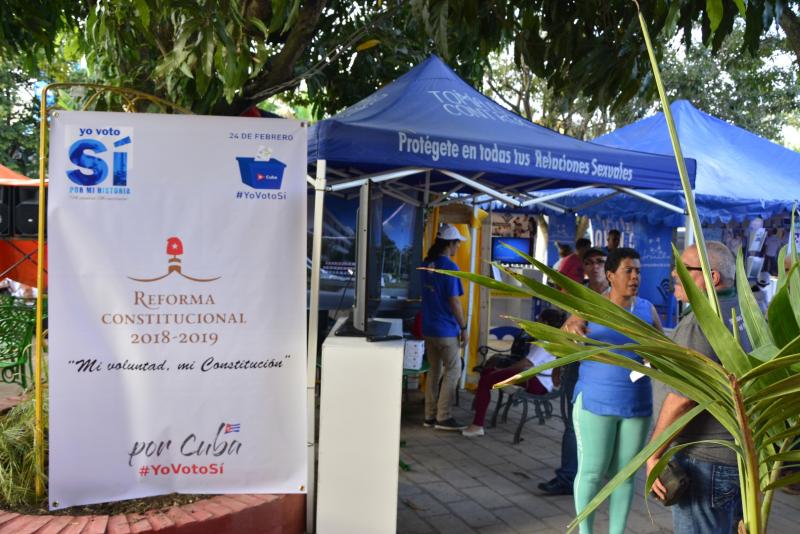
{"x": 605, "y": 445}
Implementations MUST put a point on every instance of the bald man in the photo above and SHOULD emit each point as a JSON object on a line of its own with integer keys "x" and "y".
{"x": 713, "y": 501}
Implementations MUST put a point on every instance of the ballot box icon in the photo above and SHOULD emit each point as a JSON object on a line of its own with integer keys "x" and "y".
{"x": 261, "y": 174}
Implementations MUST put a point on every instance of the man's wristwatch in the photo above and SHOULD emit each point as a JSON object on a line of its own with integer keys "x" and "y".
{"x": 464, "y": 327}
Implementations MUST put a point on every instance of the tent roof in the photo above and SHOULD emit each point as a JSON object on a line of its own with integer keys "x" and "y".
{"x": 430, "y": 118}
{"x": 10, "y": 177}
{"x": 739, "y": 174}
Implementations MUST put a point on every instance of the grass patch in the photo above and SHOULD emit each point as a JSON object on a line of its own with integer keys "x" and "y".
{"x": 18, "y": 472}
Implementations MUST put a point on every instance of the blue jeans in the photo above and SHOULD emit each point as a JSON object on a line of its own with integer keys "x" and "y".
{"x": 713, "y": 502}
{"x": 569, "y": 446}
{"x": 569, "y": 454}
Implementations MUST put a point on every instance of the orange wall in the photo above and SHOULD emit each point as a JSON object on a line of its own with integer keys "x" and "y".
{"x": 25, "y": 272}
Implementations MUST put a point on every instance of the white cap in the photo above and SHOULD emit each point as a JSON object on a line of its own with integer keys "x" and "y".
{"x": 448, "y": 232}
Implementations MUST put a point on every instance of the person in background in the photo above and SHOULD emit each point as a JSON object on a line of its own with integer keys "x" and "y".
{"x": 594, "y": 261}
{"x": 594, "y": 266}
{"x": 444, "y": 328}
{"x": 492, "y": 374}
{"x": 734, "y": 244}
{"x": 613, "y": 239}
{"x": 759, "y": 290}
{"x": 771, "y": 247}
{"x": 612, "y": 412}
{"x": 572, "y": 265}
{"x": 713, "y": 502}
{"x": 564, "y": 250}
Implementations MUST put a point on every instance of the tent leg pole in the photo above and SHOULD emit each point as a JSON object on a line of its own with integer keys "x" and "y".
{"x": 473, "y": 235}
{"x": 311, "y": 364}
{"x": 426, "y": 196}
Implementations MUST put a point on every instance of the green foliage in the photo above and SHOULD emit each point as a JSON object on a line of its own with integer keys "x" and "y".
{"x": 593, "y": 49}
{"x": 19, "y": 104}
{"x": 757, "y": 92}
{"x": 18, "y": 468}
{"x": 222, "y": 56}
{"x": 755, "y": 396}
{"x": 19, "y": 120}
{"x": 29, "y": 28}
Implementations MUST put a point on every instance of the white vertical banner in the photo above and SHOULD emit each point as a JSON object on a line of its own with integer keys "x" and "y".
{"x": 177, "y": 306}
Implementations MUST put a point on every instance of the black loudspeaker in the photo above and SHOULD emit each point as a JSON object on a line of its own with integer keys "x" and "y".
{"x": 5, "y": 211}
{"x": 26, "y": 211}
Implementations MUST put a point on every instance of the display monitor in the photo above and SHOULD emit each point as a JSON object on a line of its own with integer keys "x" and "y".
{"x": 504, "y": 254}
{"x": 753, "y": 267}
{"x": 368, "y": 269}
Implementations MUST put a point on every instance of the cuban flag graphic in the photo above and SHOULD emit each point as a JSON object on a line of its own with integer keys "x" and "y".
{"x": 231, "y": 427}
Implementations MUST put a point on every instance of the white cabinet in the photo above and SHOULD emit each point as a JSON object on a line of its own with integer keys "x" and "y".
{"x": 359, "y": 435}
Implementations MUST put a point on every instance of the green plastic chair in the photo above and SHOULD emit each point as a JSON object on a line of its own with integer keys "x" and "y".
{"x": 17, "y": 326}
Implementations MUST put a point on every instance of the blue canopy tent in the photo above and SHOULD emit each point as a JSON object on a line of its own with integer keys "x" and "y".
{"x": 429, "y": 127}
{"x": 739, "y": 174}
{"x": 429, "y": 131}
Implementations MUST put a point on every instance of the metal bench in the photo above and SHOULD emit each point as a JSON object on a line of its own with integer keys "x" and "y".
{"x": 542, "y": 406}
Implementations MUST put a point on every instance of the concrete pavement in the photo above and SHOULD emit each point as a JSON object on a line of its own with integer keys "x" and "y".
{"x": 488, "y": 485}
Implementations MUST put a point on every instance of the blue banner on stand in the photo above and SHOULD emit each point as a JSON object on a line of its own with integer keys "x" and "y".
{"x": 654, "y": 244}
{"x": 560, "y": 229}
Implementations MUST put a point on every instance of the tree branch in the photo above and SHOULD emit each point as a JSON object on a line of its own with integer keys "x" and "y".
{"x": 790, "y": 23}
{"x": 501, "y": 96}
{"x": 280, "y": 68}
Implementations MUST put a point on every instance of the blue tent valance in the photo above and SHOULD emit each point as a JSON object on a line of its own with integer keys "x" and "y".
{"x": 712, "y": 209}
{"x": 430, "y": 118}
{"x": 739, "y": 174}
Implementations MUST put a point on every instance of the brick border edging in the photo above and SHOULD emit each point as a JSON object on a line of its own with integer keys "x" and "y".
{"x": 222, "y": 514}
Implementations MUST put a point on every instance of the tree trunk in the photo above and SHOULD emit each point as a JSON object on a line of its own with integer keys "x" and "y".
{"x": 790, "y": 24}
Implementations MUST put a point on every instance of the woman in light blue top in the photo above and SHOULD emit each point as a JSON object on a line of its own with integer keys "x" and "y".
{"x": 612, "y": 410}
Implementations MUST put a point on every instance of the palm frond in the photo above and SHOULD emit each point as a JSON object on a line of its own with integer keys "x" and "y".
{"x": 754, "y": 321}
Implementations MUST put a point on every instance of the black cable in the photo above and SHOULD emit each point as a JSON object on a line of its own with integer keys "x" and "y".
{"x": 344, "y": 291}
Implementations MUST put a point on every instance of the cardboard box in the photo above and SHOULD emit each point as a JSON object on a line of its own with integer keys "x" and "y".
{"x": 412, "y": 355}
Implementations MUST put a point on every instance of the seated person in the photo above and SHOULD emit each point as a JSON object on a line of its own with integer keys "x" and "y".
{"x": 498, "y": 369}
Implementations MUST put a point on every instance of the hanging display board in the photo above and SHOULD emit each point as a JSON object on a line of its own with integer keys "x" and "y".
{"x": 177, "y": 306}
{"x": 654, "y": 245}
{"x": 561, "y": 229}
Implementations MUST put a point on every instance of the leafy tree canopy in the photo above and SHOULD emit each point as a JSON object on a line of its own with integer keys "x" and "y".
{"x": 19, "y": 105}
{"x": 222, "y": 56}
{"x": 757, "y": 92}
{"x": 19, "y": 125}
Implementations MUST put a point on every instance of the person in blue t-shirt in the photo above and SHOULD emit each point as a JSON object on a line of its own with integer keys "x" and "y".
{"x": 443, "y": 327}
{"x": 612, "y": 409}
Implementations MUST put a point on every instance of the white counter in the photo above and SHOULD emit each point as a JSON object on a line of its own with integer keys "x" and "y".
{"x": 359, "y": 434}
